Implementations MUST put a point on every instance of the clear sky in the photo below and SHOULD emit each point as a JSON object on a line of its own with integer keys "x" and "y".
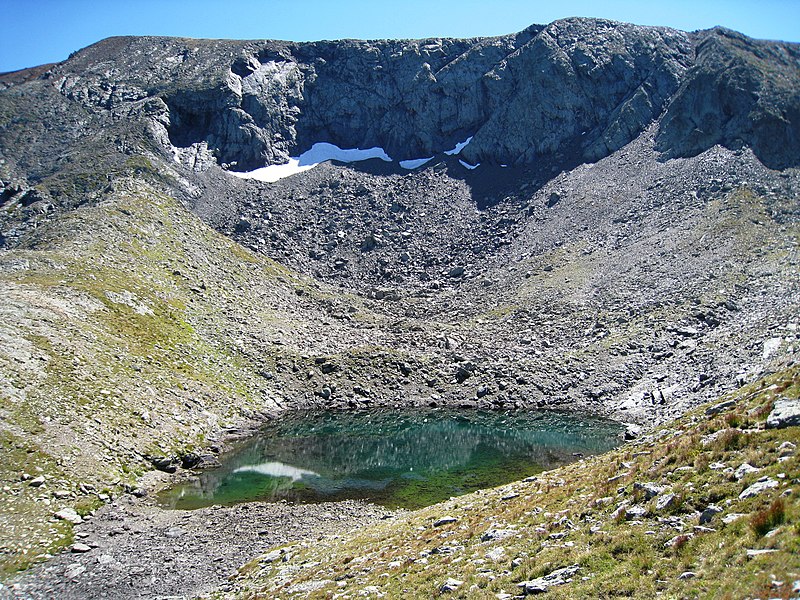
{"x": 41, "y": 31}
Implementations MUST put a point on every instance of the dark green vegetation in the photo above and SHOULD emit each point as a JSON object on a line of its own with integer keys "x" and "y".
{"x": 633, "y": 520}
{"x": 394, "y": 458}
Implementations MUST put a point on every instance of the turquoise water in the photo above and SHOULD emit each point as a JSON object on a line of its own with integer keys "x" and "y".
{"x": 394, "y": 458}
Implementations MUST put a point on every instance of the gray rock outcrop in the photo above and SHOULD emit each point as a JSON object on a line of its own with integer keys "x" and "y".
{"x": 785, "y": 413}
{"x": 575, "y": 90}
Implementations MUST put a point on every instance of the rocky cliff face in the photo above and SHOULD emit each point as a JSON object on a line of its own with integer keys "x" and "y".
{"x": 575, "y": 90}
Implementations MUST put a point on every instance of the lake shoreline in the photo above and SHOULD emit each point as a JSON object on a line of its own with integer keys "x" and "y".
{"x": 139, "y": 550}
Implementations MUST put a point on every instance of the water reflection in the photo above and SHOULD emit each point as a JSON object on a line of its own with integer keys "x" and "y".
{"x": 396, "y": 458}
{"x": 276, "y": 469}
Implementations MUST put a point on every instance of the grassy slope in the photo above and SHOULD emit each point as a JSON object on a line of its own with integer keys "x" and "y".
{"x": 133, "y": 330}
{"x": 567, "y": 516}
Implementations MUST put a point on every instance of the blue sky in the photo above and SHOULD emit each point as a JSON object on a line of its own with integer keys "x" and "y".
{"x": 41, "y": 31}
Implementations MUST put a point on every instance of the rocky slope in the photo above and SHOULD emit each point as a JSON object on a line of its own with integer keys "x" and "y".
{"x": 627, "y": 244}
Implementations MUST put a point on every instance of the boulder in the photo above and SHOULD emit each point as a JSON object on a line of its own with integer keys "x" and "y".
{"x": 720, "y": 407}
{"x": 542, "y": 584}
{"x": 69, "y": 514}
{"x": 709, "y": 512}
{"x": 666, "y": 501}
{"x": 497, "y": 534}
{"x": 166, "y": 464}
{"x": 450, "y": 585}
{"x": 785, "y": 413}
{"x": 651, "y": 490}
{"x": 744, "y": 470}
{"x": 758, "y": 487}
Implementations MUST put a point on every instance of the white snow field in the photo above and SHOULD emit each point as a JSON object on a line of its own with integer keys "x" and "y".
{"x": 322, "y": 151}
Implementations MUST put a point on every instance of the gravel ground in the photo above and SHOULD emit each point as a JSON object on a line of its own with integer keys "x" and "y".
{"x": 138, "y": 550}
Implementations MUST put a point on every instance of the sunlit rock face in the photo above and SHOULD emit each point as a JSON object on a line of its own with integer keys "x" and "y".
{"x": 575, "y": 90}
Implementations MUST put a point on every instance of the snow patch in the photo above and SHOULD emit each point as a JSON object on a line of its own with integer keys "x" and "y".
{"x": 322, "y": 151}
{"x": 273, "y": 173}
{"x": 414, "y": 162}
{"x": 469, "y": 166}
{"x": 319, "y": 153}
{"x": 459, "y": 147}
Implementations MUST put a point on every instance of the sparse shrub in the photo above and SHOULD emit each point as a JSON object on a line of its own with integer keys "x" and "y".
{"x": 619, "y": 517}
{"x": 730, "y": 439}
{"x": 766, "y": 520}
{"x": 701, "y": 462}
{"x": 733, "y": 420}
{"x": 762, "y": 411}
{"x": 679, "y": 542}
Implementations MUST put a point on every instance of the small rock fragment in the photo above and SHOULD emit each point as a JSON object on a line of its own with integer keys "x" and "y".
{"x": 174, "y": 532}
{"x": 69, "y": 514}
{"x": 450, "y": 585}
{"x": 444, "y": 521}
{"x": 74, "y": 570}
